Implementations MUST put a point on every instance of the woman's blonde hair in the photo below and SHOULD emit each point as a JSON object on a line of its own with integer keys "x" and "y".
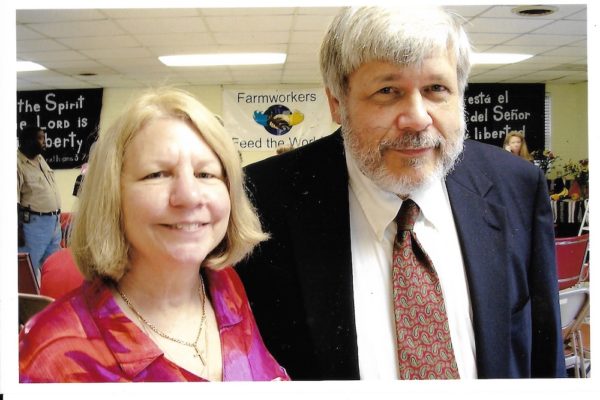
{"x": 524, "y": 152}
{"x": 98, "y": 240}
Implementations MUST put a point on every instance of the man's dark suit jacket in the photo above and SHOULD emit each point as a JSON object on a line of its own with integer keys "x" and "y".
{"x": 300, "y": 281}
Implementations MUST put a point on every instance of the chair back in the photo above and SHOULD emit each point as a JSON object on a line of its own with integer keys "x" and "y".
{"x": 28, "y": 282}
{"x": 585, "y": 223}
{"x": 31, "y": 304}
{"x": 59, "y": 274}
{"x": 570, "y": 257}
{"x": 65, "y": 227}
{"x": 574, "y": 306}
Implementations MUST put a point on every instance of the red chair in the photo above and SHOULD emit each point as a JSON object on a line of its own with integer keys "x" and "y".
{"x": 570, "y": 258}
{"x": 60, "y": 274}
{"x": 28, "y": 282}
{"x": 65, "y": 224}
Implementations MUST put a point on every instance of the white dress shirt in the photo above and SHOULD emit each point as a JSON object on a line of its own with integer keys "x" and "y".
{"x": 372, "y": 213}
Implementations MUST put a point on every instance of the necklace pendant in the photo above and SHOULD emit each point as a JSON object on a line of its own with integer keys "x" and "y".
{"x": 199, "y": 355}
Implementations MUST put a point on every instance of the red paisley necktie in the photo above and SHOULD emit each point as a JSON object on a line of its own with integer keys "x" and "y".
{"x": 424, "y": 345}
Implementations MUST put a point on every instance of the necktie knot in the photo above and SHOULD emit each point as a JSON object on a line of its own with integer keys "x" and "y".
{"x": 409, "y": 211}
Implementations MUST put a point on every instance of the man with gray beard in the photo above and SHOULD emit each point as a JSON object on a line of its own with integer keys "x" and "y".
{"x": 325, "y": 288}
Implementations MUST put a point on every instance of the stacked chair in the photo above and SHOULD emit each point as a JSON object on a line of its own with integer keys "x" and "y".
{"x": 572, "y": 261}
{"x": 30, "y": 300}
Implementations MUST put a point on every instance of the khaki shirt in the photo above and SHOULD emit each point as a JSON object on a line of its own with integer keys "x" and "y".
{"x": 36, "y": 185}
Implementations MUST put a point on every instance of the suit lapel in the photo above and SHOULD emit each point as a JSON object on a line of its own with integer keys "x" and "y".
{"x": 321, "y": 237}
{"x": 322, "y": 250}
{"x": 481, "y": 226}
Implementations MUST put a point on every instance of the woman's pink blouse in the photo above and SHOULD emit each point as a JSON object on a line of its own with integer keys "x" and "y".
{"x": 85, "y": 337}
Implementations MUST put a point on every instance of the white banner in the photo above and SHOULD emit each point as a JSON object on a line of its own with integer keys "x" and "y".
{"x": 266, "y": 119}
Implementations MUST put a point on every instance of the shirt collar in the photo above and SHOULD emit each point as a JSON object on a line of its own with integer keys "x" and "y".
{"x": 431, "y": 200}
{"x": 132, "y": 349}
{"x": 380, "y": 207}
{"x": 23, "y": 158}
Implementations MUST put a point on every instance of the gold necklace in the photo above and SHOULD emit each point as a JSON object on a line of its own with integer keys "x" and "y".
{"x": 194, "y": 344}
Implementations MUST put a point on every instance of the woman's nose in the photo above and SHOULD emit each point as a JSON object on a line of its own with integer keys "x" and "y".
{"x": 414, "y": 114}
{"x": 186, "y": 191}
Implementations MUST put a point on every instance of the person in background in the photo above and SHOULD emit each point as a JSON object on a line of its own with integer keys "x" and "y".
{"x": 283, "y": 149}
{"x": 38, "y": 199}
{"x": 162, "y": 217}
{"x": 515, "y": 143}
{"x": 396, "y": 204}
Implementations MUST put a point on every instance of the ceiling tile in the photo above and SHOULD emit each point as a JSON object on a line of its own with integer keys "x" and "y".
{"x": 165, "y": 39}
{"x": 99, "y": 42}
{"x": 578, "y": 16}
{"x": 565, "y": 27}
{"x": 143, "y": 62}
{"x": 247, "y": 12}
{"x": 39, "y": 45}
{"x": 331, "y": 11}
{"x": 165, "y": 25}
{"x": 70, "y": 64}
{"x": 133, "y": 52}
{"x": 318, "y": 23}
{"x": 262, "y": 23}
{"x": 25, "y": 33}
{"x": 491, "y": 38}
{"x": 567, "y": 51}
{"x": 563, "y": 10}
{"x": 311, "y": 37}
{"x": 467, "y": 11}
{"x": 51, "y": 55}
{"x": 542, "y": 40}
{"x": 78, "y": 29}
{"x": 57, "y": 15}
{"x": 251, "y": 37}
{"x": 127, "y": 13}
{"x": 503, "y": 25}
{"x": 520, "y": 49}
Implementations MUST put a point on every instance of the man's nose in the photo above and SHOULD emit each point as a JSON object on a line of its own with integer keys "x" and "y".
{"x": 414, "y": 114}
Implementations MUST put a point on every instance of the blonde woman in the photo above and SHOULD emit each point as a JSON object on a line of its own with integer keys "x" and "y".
{"x": 163, "y": 215}
{"x": 515, "y": 143}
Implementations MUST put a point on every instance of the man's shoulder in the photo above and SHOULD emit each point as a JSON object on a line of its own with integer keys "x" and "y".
{"x": 497, "y": 164}
{"x": 21, "y": 158}
{"x": 487, "y": 156}
{"x": 324, "y": 155}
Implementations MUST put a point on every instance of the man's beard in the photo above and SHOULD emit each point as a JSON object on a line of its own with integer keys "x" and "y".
{"x": 370, "y": 160}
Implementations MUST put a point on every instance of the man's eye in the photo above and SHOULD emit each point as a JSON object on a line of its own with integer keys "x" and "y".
{"x": 386, "y": 90}
{"x": 437, "y": 88}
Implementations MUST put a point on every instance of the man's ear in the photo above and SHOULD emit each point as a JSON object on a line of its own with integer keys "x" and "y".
{"x": 334, "y": 107}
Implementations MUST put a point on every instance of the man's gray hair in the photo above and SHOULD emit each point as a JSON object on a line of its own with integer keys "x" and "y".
{"x": 397, "y": 35}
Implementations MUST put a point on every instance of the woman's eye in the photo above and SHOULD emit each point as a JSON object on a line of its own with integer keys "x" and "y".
{"x": 205, "y": 175}
{"x": 155, "y": 175}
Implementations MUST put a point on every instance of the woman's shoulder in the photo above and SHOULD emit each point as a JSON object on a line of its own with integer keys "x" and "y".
{"x": 57, "y": 317}
{"x": 59, "y": 340}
